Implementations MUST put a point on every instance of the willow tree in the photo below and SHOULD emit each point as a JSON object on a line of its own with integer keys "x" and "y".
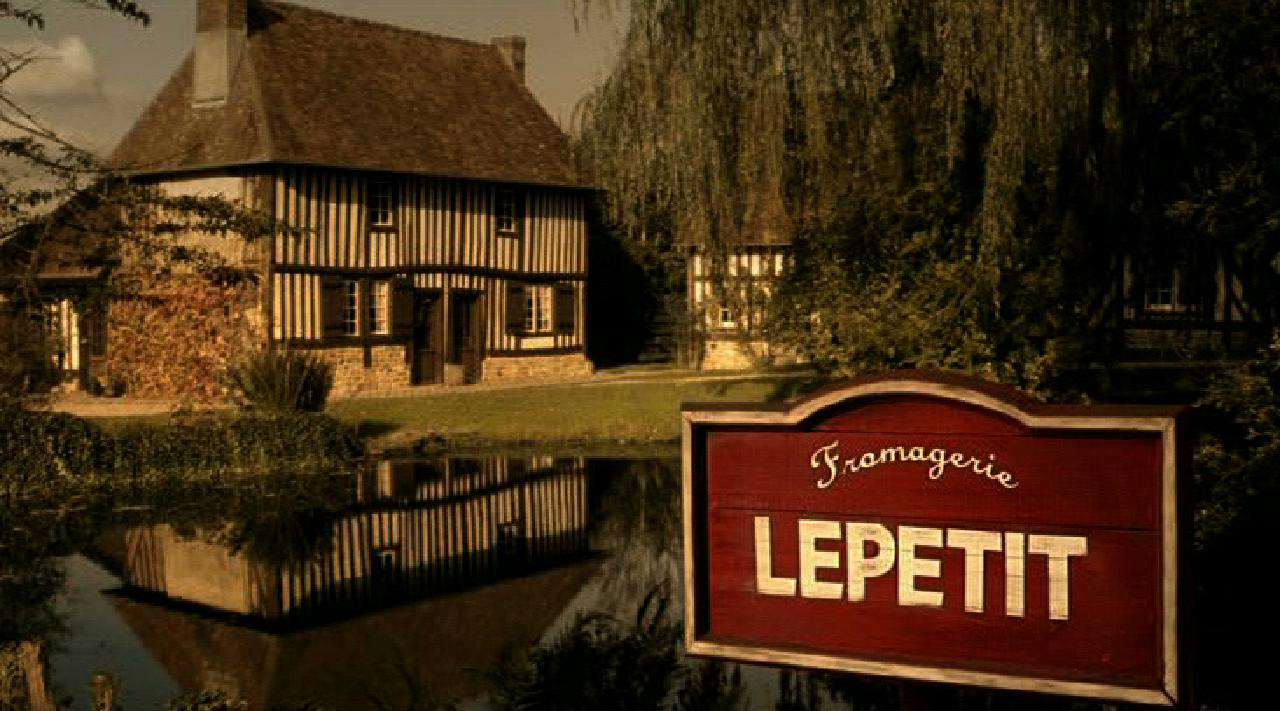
{"x": 961, "y": 180}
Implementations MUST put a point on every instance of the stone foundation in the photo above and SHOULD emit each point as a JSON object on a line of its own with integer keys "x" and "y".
{"x": 735, "y": 354}
{"x": 389, "y": 371}
{"x": 388, "y": 368}
{"x": 546, "y": 368}
{"x": 1172, "y": 341}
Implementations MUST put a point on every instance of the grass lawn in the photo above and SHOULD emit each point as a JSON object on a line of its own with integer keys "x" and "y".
{"x": 602, "y": 412}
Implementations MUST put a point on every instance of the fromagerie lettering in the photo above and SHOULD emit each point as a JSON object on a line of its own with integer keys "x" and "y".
{"x": 873, "y": 550}
{"x": 830, "y": 464}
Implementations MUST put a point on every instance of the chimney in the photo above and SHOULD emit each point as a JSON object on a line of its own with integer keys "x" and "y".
{"x": 512, "y": 49}
{"x": 221, "y": 32}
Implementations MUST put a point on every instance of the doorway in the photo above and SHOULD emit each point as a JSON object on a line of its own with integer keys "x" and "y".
{"x": 426, "y": 364}
{"x": 466, "y": 334}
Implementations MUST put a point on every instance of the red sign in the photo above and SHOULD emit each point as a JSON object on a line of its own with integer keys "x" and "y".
{"x": 938, "y": 529}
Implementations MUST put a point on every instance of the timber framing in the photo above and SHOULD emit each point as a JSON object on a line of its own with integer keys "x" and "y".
{"x": 396, "y": 191}
{"x": 539, "y": 277}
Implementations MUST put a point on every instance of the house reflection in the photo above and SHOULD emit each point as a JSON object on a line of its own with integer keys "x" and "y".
{"x": 436, "y": 570}
{"x": 418, "y": 527}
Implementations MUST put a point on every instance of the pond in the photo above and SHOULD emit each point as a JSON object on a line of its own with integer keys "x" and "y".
{"x": 411, "y": 584}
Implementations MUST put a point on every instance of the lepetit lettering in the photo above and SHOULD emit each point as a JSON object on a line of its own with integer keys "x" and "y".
{"x": 873, "y": 550}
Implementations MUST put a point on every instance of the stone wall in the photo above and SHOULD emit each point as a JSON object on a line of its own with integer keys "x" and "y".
{"x": 737, "y": 354}
{"x": 542, "y": 368}
{"x": 1173, "y": 342}
{"x": 387, "y": 369}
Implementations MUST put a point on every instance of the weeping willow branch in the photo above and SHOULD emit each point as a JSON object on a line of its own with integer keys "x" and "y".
{"x": 947, "y": 167}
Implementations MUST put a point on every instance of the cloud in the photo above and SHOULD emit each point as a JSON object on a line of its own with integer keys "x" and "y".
{"x": 63, "y": 72}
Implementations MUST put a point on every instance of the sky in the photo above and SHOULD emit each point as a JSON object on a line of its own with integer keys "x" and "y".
{"x": 96, "y": 72}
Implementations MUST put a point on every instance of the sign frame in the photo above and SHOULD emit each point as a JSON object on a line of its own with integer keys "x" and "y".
{"x": 699, "y": 419}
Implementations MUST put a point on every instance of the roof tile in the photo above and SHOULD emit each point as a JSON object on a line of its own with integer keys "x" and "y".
{"x": 321, "y": 89}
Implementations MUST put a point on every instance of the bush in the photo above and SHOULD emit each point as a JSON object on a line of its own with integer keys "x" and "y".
{"x": 212, "y": 444}
{"x": 275, "y": 382}
{"x": 42, "y": 449}
{"x": 1237, "y": 487}
{"x": 26, "y": 367}
{"x": 37, "y": 446}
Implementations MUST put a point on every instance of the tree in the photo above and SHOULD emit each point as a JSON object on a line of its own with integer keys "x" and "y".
{"x": 948, "y": 170}
{"x": 64, "y": 208}
{"x": 965, "y": 182}
{"x": 40, "y": 169}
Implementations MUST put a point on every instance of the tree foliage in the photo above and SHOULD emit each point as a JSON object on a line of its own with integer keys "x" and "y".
{"x": 64, "y": 212}
{"x": 961, "y": 181}
{"x": 39, "y": 169}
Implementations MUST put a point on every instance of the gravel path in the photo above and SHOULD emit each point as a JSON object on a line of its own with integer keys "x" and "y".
{"x": 84, "y": 405}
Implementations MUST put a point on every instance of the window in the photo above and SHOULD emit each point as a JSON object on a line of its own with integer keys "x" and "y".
{"x": 380, "y": 307}
{"x": 537, "y": 309}
{"x": 350, "y": 307}
{"x": 506, "y": 213}
{"x": 381, "y": 204}
{"x": 1161, "y": 291}
{"x": 726, "y": 317}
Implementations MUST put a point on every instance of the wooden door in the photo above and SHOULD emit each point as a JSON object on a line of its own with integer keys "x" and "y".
{"x": 427, "y": 363}
{"x": 466, "y": 334}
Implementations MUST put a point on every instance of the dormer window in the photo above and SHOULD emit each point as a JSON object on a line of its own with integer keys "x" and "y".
{"x": 381, "y": 204}
{"x": 507, "y": 213}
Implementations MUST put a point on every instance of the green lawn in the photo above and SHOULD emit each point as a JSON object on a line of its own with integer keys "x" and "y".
{"x": 606, "y": 412}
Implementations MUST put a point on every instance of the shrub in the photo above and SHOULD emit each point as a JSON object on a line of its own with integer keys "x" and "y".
{"x": 210, "y": 444}
{"x": 37, "y": 446}
{"x": 275, "y": 382}
{"x": 25, "y": 364}
{"x": 39, "y": 450}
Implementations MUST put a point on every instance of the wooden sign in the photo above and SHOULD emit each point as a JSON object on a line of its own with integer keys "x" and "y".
{"x": 941, "y": 529}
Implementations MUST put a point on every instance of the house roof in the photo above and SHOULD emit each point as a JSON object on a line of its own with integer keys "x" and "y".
{"x": 316, "y": 88}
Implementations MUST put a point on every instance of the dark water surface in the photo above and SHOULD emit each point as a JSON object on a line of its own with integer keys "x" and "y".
{"x": 403, "y": 586}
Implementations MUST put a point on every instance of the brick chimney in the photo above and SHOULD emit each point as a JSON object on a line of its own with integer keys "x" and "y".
{"x": 221, "y": 33}
{"x": 512, "y": 49}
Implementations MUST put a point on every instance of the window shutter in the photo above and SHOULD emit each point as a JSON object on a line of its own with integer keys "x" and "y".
{"x": 332, "y": 299}
{"x": 401, "y": 307}
{"x": 564, "y": 308}
{"x": 515, "y": 308}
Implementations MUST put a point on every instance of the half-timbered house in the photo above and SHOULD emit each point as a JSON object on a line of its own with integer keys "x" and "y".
{"x": 1160, "y": 313}
{"x": 438, "y": 227}
{"x": 728, "y": 300}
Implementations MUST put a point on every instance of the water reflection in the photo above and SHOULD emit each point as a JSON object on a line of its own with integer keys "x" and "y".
{"x": 492, "y": 582}
{"x": 416, "y": 528}
{"x": 429, "y": 574}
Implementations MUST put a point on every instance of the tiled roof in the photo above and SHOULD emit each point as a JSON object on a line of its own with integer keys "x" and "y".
{"x": 321, "y": 89}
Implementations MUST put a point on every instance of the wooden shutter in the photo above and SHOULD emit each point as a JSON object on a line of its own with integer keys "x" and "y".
{"x": 515, "y": 308}
{"x": 401, "y": 308}
{"x": 564, "y": 308}
{"x": 332, "y": 300}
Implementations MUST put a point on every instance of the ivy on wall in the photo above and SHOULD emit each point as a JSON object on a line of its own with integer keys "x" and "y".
{"x": 174, "y": 334}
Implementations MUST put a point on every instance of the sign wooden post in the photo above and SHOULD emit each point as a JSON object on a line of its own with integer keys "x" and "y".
{"x": 937, "y": 528}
